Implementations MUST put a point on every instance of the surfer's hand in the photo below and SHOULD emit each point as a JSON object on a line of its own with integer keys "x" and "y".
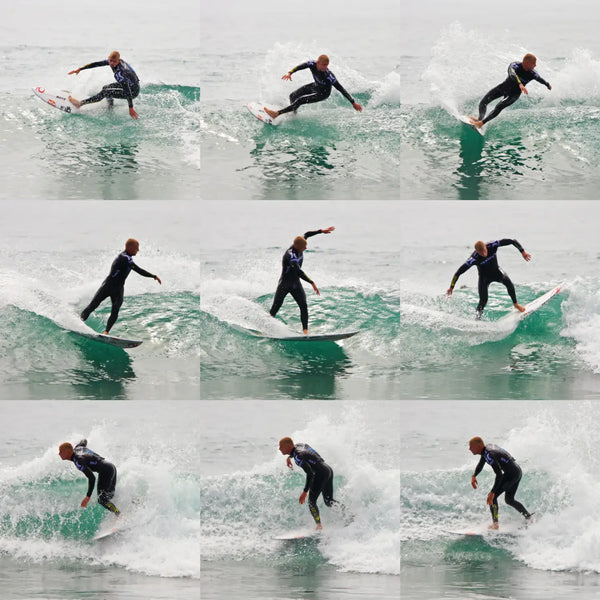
{"x": 133, "y": 114}
{"x": 328, "y": 230}
{"x": 526, "y": 256}
{"x": 85, "y": 501}
{"x": 289, "y": 463}
{"x": 490, "y": 498}
{"x": 474, "y": 482}
{"x": 287, "y": 77}
{"x": 76, "y": 71}
{"x": 158, "y": 279}
{"x": 449, "y": 292}
{"x": 302, "y": 498}
{"x": 549, "y": 87}
{"x": 316, "y": 289}
{"x": 357, "y": 106}
{"x": 524, "y": 89}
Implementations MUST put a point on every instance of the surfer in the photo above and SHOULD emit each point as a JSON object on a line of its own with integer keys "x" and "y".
{"x": 289, "y": 282}
{"x": 519, "y": 75}
{"x": 88, "y": 462}
{"x": 487, "y": 264}
{"x": 508, "y": 476}
{"x": 313, "y": 92}
{"x": 126, "y": 87}
{"x": 319, "y": 475}
{"x": 114, "y": 284}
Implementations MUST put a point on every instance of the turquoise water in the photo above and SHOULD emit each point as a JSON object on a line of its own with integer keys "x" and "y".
{"x": 553, "y": 442}
{"x": 357, "y": 275}
{"x": 545, "y": 146}
{"x": 327, "y": 150}
{"x": 249, "y": 496}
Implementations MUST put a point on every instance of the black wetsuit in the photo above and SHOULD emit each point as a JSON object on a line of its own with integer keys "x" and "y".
{"x": 319, "y": 477}
{"x": 508, "y": 476}
{"x": 316, "y": 91}
{"x": 509, "y": 89}
{"x": 88, "y": 462}
{"x": 289, "y": 282}
{"x": 126, "y": 87}
{"x": 114, "y": 286}
{"x": 489, "y": 271}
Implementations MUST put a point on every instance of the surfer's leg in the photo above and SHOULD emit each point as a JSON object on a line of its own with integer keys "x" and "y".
{"x": 117, "y": 300}
{"x": 510, "y": 489}
{"x": 102, "y": 294}
{"x": 299, "y": 296}
{"x": 107, "y": 480}
{"x": 280, "y": 293}
{"x": 483, "y": 286}
{"x": 302, "y": 91}
{"x": 313, "y": 494}
{"x": 314, "y": 94}
{"x": 511, "y": 99}
{"x": 494, "y": 93}
{"x": 510, "y": 288}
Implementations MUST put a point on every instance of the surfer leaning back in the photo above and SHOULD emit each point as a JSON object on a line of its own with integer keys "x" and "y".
{"x": 519, "y": 75}
{"x": 126, "y": 87}
{"x": 317, "y": 91}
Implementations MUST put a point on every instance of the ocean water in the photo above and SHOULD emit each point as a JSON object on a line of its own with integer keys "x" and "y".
{"x": 327, "y": 150}
{"x": 46, "y": 546}
{"x": 555, "y": 557}
{"x": 545, "y": 146}
{"x": 53, "y": 258}
{"x": 98, "y": 153}
{"x": 447, "y": 354}
{"x": 249, "y": 496}
{"x": 357, "y": 271}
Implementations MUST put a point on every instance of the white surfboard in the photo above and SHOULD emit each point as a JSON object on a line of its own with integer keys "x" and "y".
{"x": 318, "y": 337}
{"x": 104, "y": 533}
{"x": 303, "y": 534}
{"x": 257, "y": 109}
{"x": 58, "y": 100}
{"x": 108, "y": 339}
{"x": 467, "y": 121}
{"x": 531, "y": 307}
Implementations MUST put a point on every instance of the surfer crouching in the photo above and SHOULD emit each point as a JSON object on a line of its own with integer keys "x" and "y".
{"x": 487, "y": 265}
{"x": 317, "y": 91}
{"x": 126, "y": 87}
{"x": 519, "y": 75}
{"x": 319, "y": 476}
{"x": 508, "y": 476}
{"x": 88, "y": 462}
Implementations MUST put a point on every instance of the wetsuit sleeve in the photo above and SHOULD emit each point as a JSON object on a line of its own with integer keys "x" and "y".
{"x": 311, "y": 233}
{"x": 540, "y": 79}
{"x": 100, "y": 63}
{"x": 141, "y": 271}
{"x": 304, "y": 65}
{"x": 509, "y": 242}
{"x": 462, "y": 269}
{"x": 91, "y": 481}
{"x": 479, "y": 466}
{"x": 310, "y": 474}
{"x": 338, "y": 86}
{"x": 512, "y": 73}
{"x": 304, "y": 276}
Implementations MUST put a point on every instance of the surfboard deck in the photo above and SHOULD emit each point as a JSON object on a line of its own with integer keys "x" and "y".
{"x": 108, "y": 339}
{"x": 298, "y": 535}
{"x": 532, "y": 306}
{"x": 103, "y": 534}
{"x": 58, "y": 100}
{"x": 319, "y": 337}
{"x": 464, "y": 119}
{"x": 257, "y": 109}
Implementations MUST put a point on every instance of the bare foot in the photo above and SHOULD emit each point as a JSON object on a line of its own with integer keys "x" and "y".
{"x": 272, "y": 113}
{"x": 519, "y": 307}
{"x": 105, "y": 333}
{"x": 494, "y": 526}
{"x": 476, "y": 122}
{"x": 75, "y": 102}
{"x": 319, "y": 527}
